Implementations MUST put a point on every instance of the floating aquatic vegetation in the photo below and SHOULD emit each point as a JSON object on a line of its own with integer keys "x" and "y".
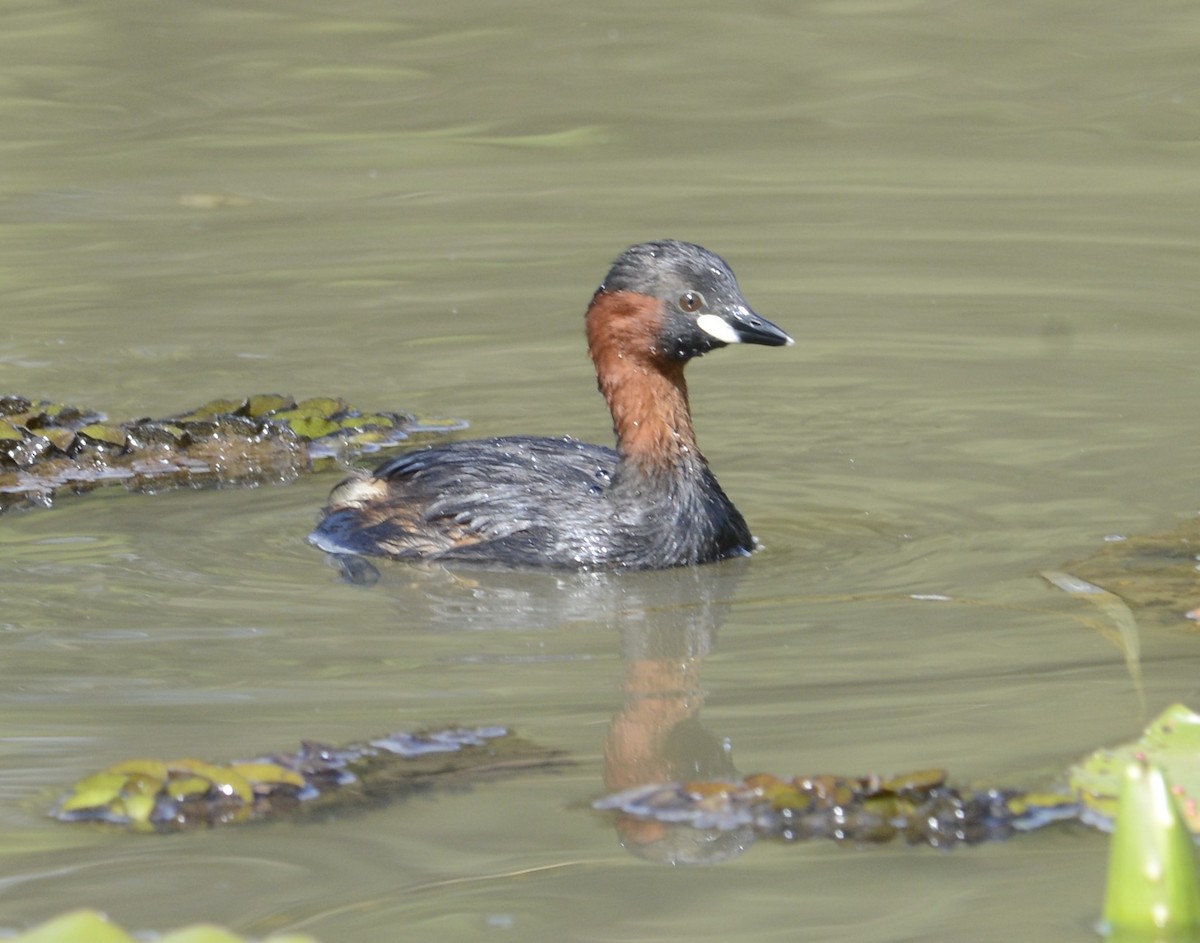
{"x": 921, "y": 807}
{"x": 47, "y": 449}
{"x": 1171, "y": 743}
{"x": 91, "y": 926}
{"x": 918, "y": 807}
{"x": 173, "y": 795}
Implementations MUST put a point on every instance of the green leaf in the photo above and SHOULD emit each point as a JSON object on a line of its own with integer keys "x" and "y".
{"x": 264, "y": 403}
{"x": 78, "y": 926}
{"x": 224, "y": 779}
{"x": 202, "y": 933}
{"x": 313, "y": 418}
{"x": 209, "y": 933}
{"x": 95, "y": 791}
{"x": 362, "y": 422}
{"x": 211, "y": 409}
{"x": 312, "y": 427}
{"x": 269, "y": 774}
{"x": 60, "y": 437}
{"x": 322, "y": 405}
{"x": 1171, "y": 742}
{"x": 1152, "y": 881}
{"x": 137, "y": 808}
{"x": 155, "y": 769}
{"x": 103, "y": 432}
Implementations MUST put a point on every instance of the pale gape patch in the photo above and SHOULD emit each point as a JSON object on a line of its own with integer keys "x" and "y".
{"x": 719, "y": 328}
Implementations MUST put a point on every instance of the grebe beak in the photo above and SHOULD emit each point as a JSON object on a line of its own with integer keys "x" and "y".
{"x": 738, "y": 324}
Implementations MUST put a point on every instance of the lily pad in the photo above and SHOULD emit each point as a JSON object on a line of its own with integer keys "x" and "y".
{"x": 61, "y": 438}
{"x": 10, "y": 432}
{"x": 211, "y": 409}
{"x": 268, "y": 774}
{"x": 95, "y": 791}
{"x": 311, "y": 426}
{"x": 1171, "y": 742}
{"x": 258, "y": 406}
{"x": 184, "y": 788}
{"x": 321, "y": 407}
{"x": 103, "y": 432}
{"x": 225, "y": 781}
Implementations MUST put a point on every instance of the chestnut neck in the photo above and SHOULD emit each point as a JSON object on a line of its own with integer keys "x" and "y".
{"x": 645, "y": 389}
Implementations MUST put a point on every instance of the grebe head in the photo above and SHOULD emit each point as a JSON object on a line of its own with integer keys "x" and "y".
{"x": 685, "y": 296}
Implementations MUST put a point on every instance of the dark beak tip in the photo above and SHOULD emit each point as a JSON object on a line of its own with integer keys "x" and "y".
{"x": 767, "y": 334}
{"x": 752, "y": 328}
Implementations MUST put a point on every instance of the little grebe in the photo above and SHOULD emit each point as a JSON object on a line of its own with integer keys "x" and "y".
{"x": 528, "y": 501}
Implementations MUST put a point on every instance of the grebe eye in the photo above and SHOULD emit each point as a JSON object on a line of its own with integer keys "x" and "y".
{"x": 691, "y": 301}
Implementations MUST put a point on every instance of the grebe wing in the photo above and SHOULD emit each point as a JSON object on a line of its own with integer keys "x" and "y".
{"x": 463, "y": 499}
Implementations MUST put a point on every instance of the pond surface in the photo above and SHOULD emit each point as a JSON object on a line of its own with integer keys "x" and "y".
{"x": 978, "y": 220}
